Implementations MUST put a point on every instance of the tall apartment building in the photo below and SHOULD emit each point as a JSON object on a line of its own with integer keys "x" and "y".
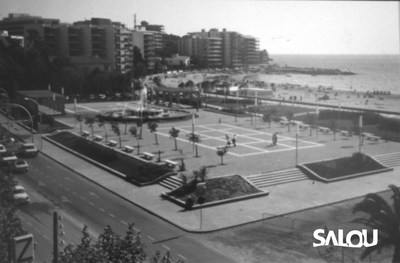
{"x": 97, "y": 37}
{"x": 221, "y": 49}
{"x": 205, "y": 46}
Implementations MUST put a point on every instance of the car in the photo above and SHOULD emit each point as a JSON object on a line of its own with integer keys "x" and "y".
{"x": 28, "y": 150}
{"x": 19, "y": 166}
{"x": 19, "y": 195}
{"x": 8, "y": 157}
{"x": 2, "y": 148}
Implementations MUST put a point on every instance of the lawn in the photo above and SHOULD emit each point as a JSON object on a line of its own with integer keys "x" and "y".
{"x": 134, "y": 169}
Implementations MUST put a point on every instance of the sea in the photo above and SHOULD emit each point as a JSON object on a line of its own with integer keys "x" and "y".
{"x": 372, "y": 72}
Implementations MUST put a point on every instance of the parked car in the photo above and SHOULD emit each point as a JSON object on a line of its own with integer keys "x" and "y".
{"x": 2, "y": 149}
{"x": 7, "y": 157}
{"x": 19, "y": 166}
{"x": 28, "y": 150}
{"x": 19, "y": 195}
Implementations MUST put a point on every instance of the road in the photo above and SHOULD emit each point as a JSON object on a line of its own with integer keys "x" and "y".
{"x": 52, "y": 186}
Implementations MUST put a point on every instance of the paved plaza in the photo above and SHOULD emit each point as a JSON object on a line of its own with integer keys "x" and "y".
{"x": 253, "y": 155}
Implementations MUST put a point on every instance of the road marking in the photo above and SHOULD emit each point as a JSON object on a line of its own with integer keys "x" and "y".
{"x": 102, "y": 209}
{"x": 166, "y": 247}
{"x": 66, "y": 188}
{"x": 66, "y": 178}
{"x": 94, "y": 194}
{"x": 136, "y": 229}
{"x": 74, "y": 193}
{"x": 179, "y": 255}
{"x": 60, "y": 184}
{"x": 123, "y": 222}
{"x": 150, "y": 238}
{"x": 48, "y": 167}
{"x": 65, "y": 200}
{"x": 83, "y": 198}
{"x": 87, "y": 108}
{"x": 46, "y": 237}
{"x": 91, "y": 203}
{"x": 37, "y": 229}
{"x": 53, "y": 180}
{"x": 28, "y": 223}
{"x": 111, "y": 215}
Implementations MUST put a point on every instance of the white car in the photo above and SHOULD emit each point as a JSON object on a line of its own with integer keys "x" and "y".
{"x": 19, "y": 195}
{"x": 28, "y": 149}
{"x": 2, "y": 148}
{"x": 8, "y": 157}
{"x": 19, "y": 166}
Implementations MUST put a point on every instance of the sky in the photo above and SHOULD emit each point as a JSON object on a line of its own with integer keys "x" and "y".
{"x": 282, "y": 27}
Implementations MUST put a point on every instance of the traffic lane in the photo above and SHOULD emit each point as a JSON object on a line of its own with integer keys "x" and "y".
{"x": 97, "y": 207}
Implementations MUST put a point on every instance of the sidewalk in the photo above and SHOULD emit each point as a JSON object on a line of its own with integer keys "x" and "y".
{"x": 283, "y": 199}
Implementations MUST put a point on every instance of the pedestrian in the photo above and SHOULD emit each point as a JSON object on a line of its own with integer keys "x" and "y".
{"x": 234, "y": 140}
{"x": 275, "y": 138}
{"x": 228, "y": 141}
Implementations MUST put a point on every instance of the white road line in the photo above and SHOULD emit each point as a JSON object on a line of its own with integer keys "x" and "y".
{"x": 87, "y": 108}
{"x": 83, "y": 198}
{"x": 136, "y": 229}
{"x": 123, "y": 222}
{"x": 91, "y": 203}
{"x": 166, "y": 247}
{"x": 111, "y": 215}
{"x": 37, "y": 230}
{"x": 179, "y": 255}
{"x": 102, "y": 209}
{"x": 74, "y": 193}
{"x": 150, "y": 238}
{"x": 46, "y": 237}
{"x": 29, "y": 223}
{"x": 66, "y": 178}
{"x": 66, "y": 188}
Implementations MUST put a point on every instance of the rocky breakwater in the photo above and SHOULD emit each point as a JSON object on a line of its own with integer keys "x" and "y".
{"x": 309, "y": 71}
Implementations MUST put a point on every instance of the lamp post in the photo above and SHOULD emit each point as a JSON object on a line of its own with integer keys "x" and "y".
{"x": 30, "y": 116}
{"x": 8, "y": 111}
{"x": 40, "y": 117}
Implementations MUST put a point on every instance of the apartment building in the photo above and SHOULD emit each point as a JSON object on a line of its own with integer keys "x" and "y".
{"x": 222, "y": 49}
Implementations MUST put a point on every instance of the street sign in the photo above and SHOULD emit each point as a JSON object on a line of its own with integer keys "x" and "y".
{"x": 24, "y": 248}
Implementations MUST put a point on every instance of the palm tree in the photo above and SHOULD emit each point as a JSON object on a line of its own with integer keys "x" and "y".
{"x": 102, "y": 124}
{"x": 174, "y": 133}
{"x": 89, "y": 121}
{"x": 201, "y": 173}
{"x": 289, "y": 117}
{"x": 221, "y": 152}
{"x": 153, "y": 128}
{"x": 134, "y": 133}
{"x": 79, "y": 118}
{"x": 383, "y": 217}
{"x": 333, "y": 126}
{"x": 195, "y": 139}
{"x": 115, "y": 128}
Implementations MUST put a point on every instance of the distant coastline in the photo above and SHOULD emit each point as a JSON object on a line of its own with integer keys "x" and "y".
{"x": 276, "y": 69}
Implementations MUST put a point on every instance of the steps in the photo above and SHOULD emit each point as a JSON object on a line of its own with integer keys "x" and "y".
{"x": 277, "y": 177}
{"x": 389, "y": 160}
{"x": 172, "y": 182}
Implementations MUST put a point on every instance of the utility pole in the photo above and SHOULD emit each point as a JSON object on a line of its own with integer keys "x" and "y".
{"x": 55, "y": 237}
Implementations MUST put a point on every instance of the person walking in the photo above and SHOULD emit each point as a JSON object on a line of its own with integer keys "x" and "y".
{"x": 275, "y": 138}
{"x": 228, "y": 141}
{"x": 234, "y": 140}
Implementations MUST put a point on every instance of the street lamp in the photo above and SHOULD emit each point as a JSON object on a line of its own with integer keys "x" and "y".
{"x": 30, "y": 116}
{"x": 8, "y": 112}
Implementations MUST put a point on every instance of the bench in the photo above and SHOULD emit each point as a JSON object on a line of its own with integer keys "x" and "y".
{"x": 324, "y": 130}
{"x": 85, "y": 133}
{"x": 170, "y": 163}
{"x": 148, "y": 156}
{"x": 346, "y": 133}
{"x": 284, "y": 123}
{"x": 303, "y": 126}
{"x": 112, "y": 143}
{"x": 98, "y": 138}
{"x": 128, "y": 148}
{"x": 370, "y": 137}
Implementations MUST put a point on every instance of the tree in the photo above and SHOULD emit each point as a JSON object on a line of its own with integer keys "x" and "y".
{"x": 311, "y": 120}
{"x": 153, "y": 128}
{"x": 134, "y": 133}
{"x": 115, "y": 128}
{"x": 110, "y": 247}
{"x": 174, "y": 133}
{"x": 383, "y": 217}
{"x": 221, "y": 152}
{"x": 10, "y": 223}
{"x": 89, "y": 121}
{"x": 195, "y": 139}
{"x": 333, "y": 126}
{"x": 79, "y": 118}
{"x": 102, "y": 124}
{"x": 267, "y": 118}
{"x": 201, "y": 173}
{"x": 289, "y": 117}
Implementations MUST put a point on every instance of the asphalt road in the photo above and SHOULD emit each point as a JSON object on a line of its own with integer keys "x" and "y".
{"x": 81, "y": 202}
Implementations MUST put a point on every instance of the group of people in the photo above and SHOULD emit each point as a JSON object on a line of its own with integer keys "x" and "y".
{"x": 230, "y": 141}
